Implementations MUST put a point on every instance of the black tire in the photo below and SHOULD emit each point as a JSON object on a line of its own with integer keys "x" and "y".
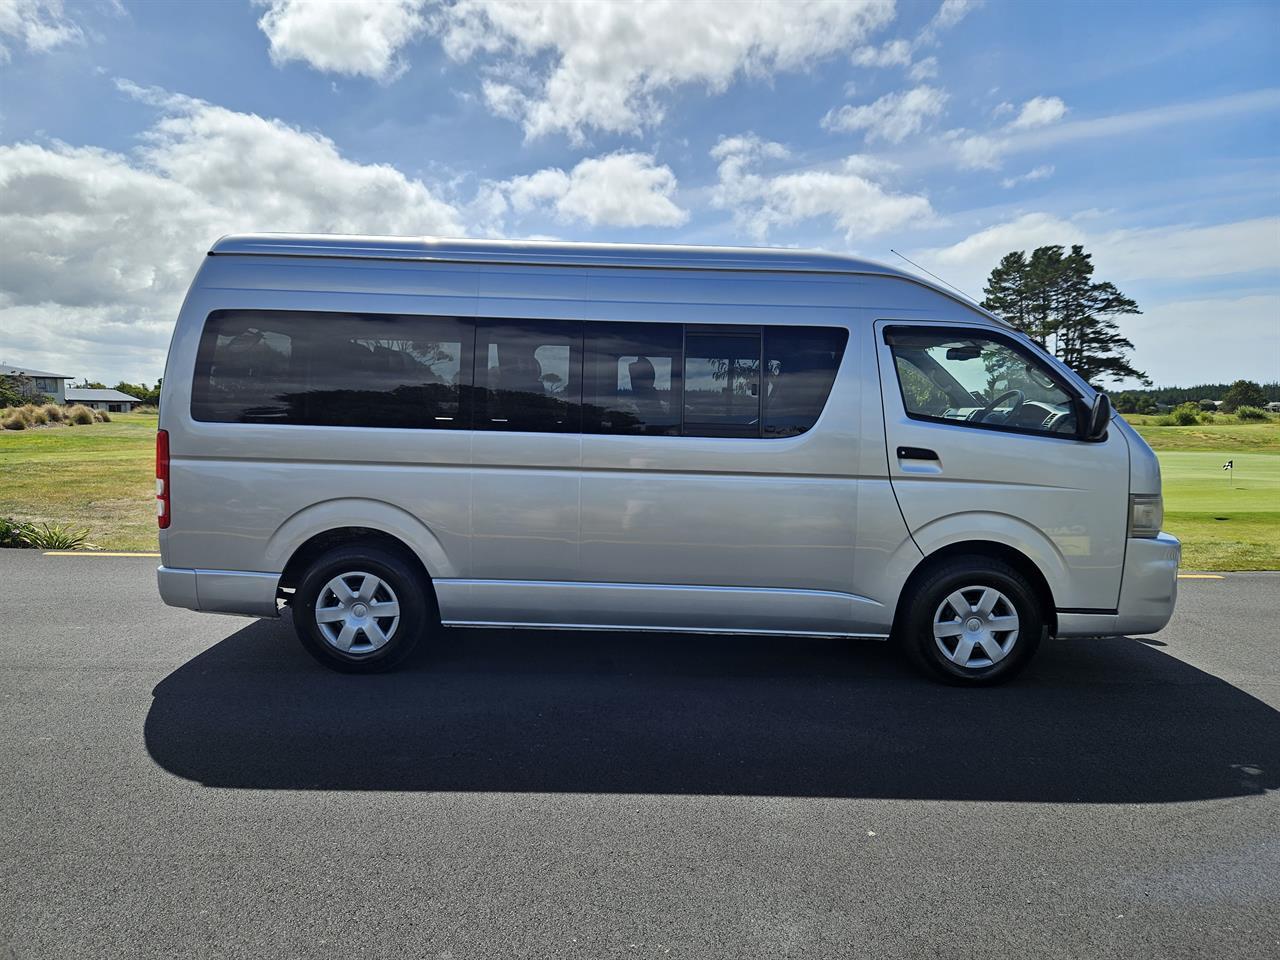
{"x": 401, "y": 582}
{"x": 948, "y": 579}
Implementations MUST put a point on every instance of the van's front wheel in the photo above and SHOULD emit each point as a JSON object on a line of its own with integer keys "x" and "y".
{"x": 360, "y": 609}
{"x": 973, "y": 621}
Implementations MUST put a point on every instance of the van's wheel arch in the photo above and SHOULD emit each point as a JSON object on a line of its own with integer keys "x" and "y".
{"x": 971, "y": 618}
{"x": 362, "y": 606}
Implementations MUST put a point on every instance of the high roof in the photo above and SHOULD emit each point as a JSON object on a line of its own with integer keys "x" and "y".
{"x": 652, "y": 255}
{"x": 571, "y": 254}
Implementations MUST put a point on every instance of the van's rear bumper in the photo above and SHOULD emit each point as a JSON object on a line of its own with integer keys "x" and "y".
{"x": 245, "y": 593}
{"x": 1148, "y": 593}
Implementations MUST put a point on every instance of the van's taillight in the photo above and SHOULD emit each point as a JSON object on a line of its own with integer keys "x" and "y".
{"x": 162, "y": 478}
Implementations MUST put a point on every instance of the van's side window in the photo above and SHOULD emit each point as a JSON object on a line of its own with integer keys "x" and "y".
{"x": 800, "y": 366}
{"x": 528, "y": 375}
{"x": 964, "y": 377}
{"x": 633, "y": 378}
{"x": 332, "y": 369}
{"x": 722, "y": 383}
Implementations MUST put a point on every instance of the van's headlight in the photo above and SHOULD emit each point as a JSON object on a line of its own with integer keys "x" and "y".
{"x": 1146, "y": 514}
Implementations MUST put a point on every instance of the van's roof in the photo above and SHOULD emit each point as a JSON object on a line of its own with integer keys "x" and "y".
{"x": 653, "y": 255}
{"x": 565, "y": 253}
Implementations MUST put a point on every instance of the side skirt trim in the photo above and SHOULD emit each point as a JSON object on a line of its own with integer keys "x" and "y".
{"x": 617, "y": 628}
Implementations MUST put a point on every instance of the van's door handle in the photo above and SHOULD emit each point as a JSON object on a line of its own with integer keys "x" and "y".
{"x": 916, "y": 453}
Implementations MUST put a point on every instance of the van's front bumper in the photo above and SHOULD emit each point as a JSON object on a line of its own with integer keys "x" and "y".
{"x": 1148, "y": 593}
{"x": 241, "y": 592}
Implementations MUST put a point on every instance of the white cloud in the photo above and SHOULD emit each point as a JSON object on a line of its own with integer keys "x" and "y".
{"x": 854, "y": 203}
{"x": 949, "y": 14}
{"x": 100, "y": 245}
{"x": 39, "y": 25}
{"x": 986, "y": 151}
{"x": 893, "y": 117}
{"x": 1042, "y": 172}
{"x": 900, "y": 53}
{"x": 1234, "y": 337}
{"x": 895, "y": 53}
{"x": 1039, "y": 112}
{"x": 925, "y": 69}
{"x": 1171, "y": 253}
{"x": 354, "y": 37}
{"x": 979, "y": 151}
{"x": 575, "y": 66}
{"x": 619, "y": 189}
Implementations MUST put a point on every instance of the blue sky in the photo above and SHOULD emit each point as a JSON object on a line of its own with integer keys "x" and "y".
{"x": 133, "y": 134}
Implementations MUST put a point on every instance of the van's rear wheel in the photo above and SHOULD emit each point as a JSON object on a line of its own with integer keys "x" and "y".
{"x": 360, "y": 609}
{"x": 973, "y": 620}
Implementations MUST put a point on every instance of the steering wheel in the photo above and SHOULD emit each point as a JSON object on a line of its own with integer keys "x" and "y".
{"x": 986, "y": 411}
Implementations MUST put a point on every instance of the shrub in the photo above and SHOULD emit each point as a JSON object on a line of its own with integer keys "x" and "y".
{"x": 1186, "y": 415}
{"x": 79, "y": 414}
{"x": 53, "y": 536}
{"x": 1208, "y": 405}
{"x": 1207, "y": 418}
{"x": 53, "y": 412}
{"x": 1165, "y": 421}
{"x": 11, "y": 532}
{"x": 37, "y": 416}
{"x": 1243, "y": 393}
{"x": 146, "y": 408}
{"x": 100, "y": 416}
{"x": 10, "y": 392}
{"x": 13, "y": 422}
{"x": 1251, "y": 413}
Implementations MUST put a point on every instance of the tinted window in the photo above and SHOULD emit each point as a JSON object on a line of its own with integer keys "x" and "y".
{"x": 722, "y": 384}
{"x": 958, "y": 376}
{"x": 528, "y": 375}
{"x": 633, "y": 378}
{"x": 800, "y": 367}
{"x": 332, "y": 369}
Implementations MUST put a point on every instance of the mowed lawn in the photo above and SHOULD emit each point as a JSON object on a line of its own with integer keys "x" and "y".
{"x": 102, "y": 477}
{"x": 1227, "y": 520}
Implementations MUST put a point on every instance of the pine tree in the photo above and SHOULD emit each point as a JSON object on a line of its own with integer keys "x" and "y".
{"x": 1053, "y": 298}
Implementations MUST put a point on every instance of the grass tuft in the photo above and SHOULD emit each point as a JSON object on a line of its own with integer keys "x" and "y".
{"x": 80, "y": 414}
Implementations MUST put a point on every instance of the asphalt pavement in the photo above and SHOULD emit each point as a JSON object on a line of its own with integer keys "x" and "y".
{"x": 184, "y": 785}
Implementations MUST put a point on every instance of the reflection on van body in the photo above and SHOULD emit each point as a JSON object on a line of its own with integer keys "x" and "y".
{"x": 392, "y": 434}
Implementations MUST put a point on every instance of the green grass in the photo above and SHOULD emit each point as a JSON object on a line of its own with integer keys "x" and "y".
{"x": 100, "y": 476}
{"x": 1225, "y": 521}
{"x": 1224, "y": 434}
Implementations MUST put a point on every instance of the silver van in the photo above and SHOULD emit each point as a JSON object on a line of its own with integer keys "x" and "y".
{"x": 387, "y": 435}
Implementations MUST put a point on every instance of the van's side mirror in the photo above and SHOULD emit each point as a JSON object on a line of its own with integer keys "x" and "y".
{"x": 1095, "y": 426}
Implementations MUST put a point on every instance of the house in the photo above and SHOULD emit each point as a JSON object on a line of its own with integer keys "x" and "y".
{"x": 1273, "y": 406}
{"x": 37, "y": 383}
{"x": 112, "y": 401}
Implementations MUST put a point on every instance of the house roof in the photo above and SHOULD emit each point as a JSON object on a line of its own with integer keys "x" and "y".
{"x": 82, "y": 395}
{"x": 8, "y": 371}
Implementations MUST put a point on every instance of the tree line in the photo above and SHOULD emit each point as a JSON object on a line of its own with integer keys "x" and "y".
{"x": 1241, "y": 393}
